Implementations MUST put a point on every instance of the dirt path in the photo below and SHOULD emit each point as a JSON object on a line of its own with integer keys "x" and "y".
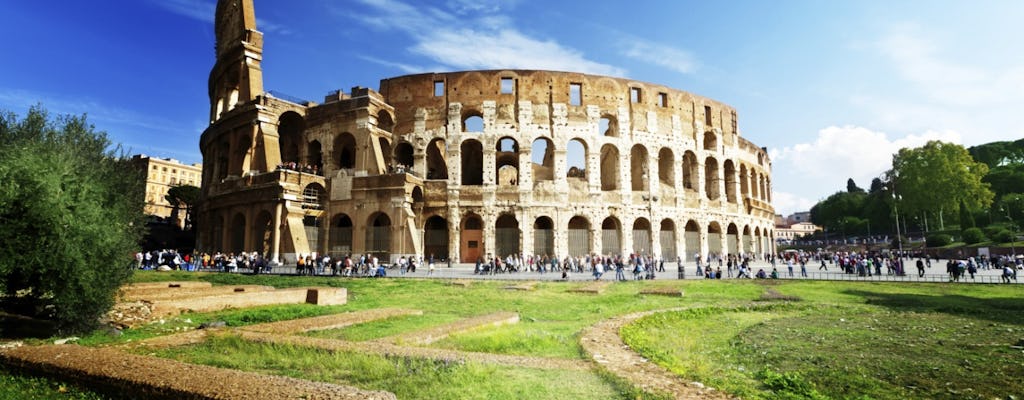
{"x": 431, "y": 335}
{"x": 151, "y": 377}
{"x": 604, "y": 345}
{"x": 332, "y": 321}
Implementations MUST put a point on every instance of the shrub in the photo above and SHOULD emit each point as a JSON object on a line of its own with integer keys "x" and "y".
{"x": 938, "y": 240}
{"x": 974, "y": 235}
{"x": 1002, "y": 236}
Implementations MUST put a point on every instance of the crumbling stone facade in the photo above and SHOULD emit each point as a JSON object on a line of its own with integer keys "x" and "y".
{"x": 475, "y": 163}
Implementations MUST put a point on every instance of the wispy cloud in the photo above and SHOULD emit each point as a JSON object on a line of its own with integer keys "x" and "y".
{"x": 411, "y": 69}
{"x": 474, "y": 35}
{"x": 205, "y": 10}
{"x": 661, "y": 55}
{"x": 837, "y": 154}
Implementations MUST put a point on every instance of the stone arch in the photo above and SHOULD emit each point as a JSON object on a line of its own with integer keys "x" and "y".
{"x": 472, "y": 234}
{"x": 667, "y": 239}
{"x": 378, "y": 236}
{"x": 404, "y": 154}
{"x": 314, "y": 156}
{"x": 666, "y": 167}
{"x": 417, "y": 195}
{"x": 710, "y": 141}
{"x": 639, "y": 168}
{"x": 542, "y": 157}
{"x": 238, "y": 233}
{"x": 544, "y": 236}
{"x": 642, "y": 243}
{"x": 715, "y": 245}
{"x": 711, "y": 179}
{"x": 691, "y": 236}
{"x": 472, "y": 153}
{"x": 608, "y": 125}
{"x": 576, "y": 156}
{"x": 611, "y": 236}
{"x": 506, "y": 236}
{"x": 609, "y": 167}
{"x": 243, "y": 144}
{"x": 216, "y": 242}
{"x": 747, "y": 242}
{"x": 472, "y": 121}
{"x": 754, "y": 192}
{"x": 744, "y": 181}
{"x": 437, "y": 160}
{"x": 385, "y": 121}
{"x": 290, "y": 129}
{"x": 732, "y": 239}
{"x": 579, "y": 236}
{"x": 435, "y": 238}
{"x": 690, "y": 170}
{"x": 730, "y": 181}
{"x": 345, "y": 151}
{"x": 262, "y": 232}
{"x": 341, "y": 235}
{"x": 314, "y": 197}
{"x": 506, "y": 162}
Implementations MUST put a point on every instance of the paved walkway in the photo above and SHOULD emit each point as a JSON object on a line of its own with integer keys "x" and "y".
{"x": 934, "y": 274}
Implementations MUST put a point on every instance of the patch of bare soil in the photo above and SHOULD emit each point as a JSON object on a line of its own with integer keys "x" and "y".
{"x": 604, "y": 345}
{"x": 663, "y": 291}
{"x": 185, "y": 293}
{"x": 591, "y": 288}
{"x": 151, "y": 377}
{"x": 771, "y": 294}
{"x": 525, "y": 286}
{"x": 436, "y": 333}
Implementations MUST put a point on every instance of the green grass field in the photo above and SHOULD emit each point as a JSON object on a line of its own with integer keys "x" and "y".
{"x": 840, "y": 340}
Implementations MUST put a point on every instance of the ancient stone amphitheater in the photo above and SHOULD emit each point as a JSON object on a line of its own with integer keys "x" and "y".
{"x": 464, "y": 165}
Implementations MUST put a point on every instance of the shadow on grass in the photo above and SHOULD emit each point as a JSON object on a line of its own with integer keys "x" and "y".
{"x": 1003, "y": 309}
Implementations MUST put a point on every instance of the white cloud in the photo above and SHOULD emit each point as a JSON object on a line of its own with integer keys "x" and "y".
{"x": 474, "y": 35}
{"x": 661, "y": 55}
{"x": 814, "y": 170}
{"x": 205, "y": 11}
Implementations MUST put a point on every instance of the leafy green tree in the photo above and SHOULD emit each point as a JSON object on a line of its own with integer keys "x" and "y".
{"x": 833, "y": 212}
{"x": 182, "y": 197}
{"x": 851, "y": 187}
{"x": 966, "y": 218}
{"x": 937, "y": 177}
{"x": 70, "y": 216}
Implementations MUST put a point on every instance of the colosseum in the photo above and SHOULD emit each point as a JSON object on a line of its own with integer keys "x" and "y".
{"x": 464, "y": 165}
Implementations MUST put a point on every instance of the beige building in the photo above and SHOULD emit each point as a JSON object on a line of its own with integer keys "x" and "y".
{"x": 794, "y": 231}
{"x": 161, "y": 175}
{"x": 472, "y": 164}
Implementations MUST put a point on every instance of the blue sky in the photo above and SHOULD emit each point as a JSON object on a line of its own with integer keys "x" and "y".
{"x": 831, "y": 88}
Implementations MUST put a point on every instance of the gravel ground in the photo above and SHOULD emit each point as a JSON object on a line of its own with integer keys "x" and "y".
{"x": 157, "y": 378}
{"x": 603, "y": 343}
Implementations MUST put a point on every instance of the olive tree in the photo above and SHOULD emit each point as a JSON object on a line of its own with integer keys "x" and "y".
{"x": 71, "y": 215}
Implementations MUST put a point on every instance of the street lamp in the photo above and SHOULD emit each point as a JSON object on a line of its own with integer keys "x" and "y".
{"x": 1013, "y": 232}
{"x": 895, "y": 208}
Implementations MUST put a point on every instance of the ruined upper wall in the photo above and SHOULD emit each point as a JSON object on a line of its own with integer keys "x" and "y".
{"x": 544, "y": 89}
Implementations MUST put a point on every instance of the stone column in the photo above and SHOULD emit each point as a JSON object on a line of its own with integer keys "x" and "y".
{"x": 454, "y": 235}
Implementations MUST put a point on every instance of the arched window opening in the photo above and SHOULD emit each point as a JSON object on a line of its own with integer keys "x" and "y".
{"x": 312, "y": 227}
{"x": 578, "y": 236}
{"x": 472, "y": 247}
{"x": 711, "y": 179}
{"x": 384, "y": 121}
{"x": 345, "y": 151}
{"x": 341, "y": 235}
{"x": 472, "y": 163}
{"x": 609, "y": 168}
{"x": 542, "y": 155}
{"x": 666, "y": 167}
{"x": 290, "y": 128}
{"x": 313, "y": 197}
{"x": 691, "y": 235}
{"x": 403, "y": 156}
{"x": 506, "y": 236}
{"x": 667, "y": 239}
{"x": 730, "y": 181}
{"x": 690, "y": 171}
{"x": 506, "y": 162}
{"x": 238, "y": 234}
{"x": 437, "y": 161}
{"x": 314, "y": 157}
{"x": 639, "y": 168}
{"x": 608, "y": 126}
{"x": 576, "y": 160}
{"x": 378, "y": 237}
{"x": 642, "y": 236}
{"x": 435, "y": 238}
{"x": 473, "y": 123}
{"x": 544, "y": 237}
{"x": 710, "y": 141}
{"x": 611, "y": 239}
